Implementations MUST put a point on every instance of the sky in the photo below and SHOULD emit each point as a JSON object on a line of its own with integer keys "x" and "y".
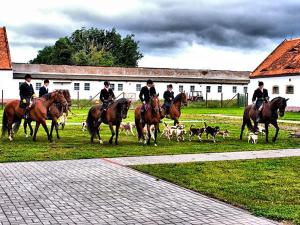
{"x": 195, "y": 34}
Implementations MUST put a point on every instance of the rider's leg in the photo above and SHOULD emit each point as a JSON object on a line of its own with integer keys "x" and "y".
{"x": 142, "y": 119}
{"x": 259, "y": 114}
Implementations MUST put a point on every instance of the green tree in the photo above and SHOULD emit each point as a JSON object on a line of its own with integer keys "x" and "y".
{"x": 92, "y": 46}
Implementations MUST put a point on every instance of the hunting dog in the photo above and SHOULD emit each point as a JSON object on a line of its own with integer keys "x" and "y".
{"x": 196, "y": 132}
{"x": 127, "y": 128}
{"x": 224, "y": 133}
{"x": 178, "y": 132}
{"x": 252, "y": 138}
{"x": 212, "y": 131}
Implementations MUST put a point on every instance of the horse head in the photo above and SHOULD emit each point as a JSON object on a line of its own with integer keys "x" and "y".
{"x": 67, "y": 96}
{"x": 279, "y": 104}
{"x": 154, "y": 103}
{"x": 184, "y": 99}
{"x": 59, "y": 97}
{"x": 123, "y": 105}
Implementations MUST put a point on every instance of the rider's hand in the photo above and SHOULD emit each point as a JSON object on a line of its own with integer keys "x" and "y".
{"x": 24, "y": 100}
{"x": 34, "y": 96}
{"x": 144, "y": 102}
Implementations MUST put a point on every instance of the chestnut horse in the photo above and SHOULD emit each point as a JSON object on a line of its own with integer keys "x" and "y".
{"x": 55, "y": 111}
{"x": 13, "y": 114}
{"x": 175, "y": 108}
{"x": 269, "y": 116}
{"x": 113, "y": 116}
{"x": 152, "y": 117}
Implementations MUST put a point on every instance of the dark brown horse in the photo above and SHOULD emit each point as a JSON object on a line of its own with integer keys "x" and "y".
{"x": 152, "y": 117}
{"x": 175, "y": 108}
{"x": 113, "y": 116}
{"x": 55, "y": 111}
{"x": 13, "y": 114}
{"x": 269, "y": 116}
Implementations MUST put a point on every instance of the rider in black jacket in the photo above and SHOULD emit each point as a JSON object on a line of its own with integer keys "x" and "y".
{"x": 145, "y": 95}
{"x": 44, "y": 89}
{"x": 168, "y": 97}
{"x": 26, "y": 94}
{"x": 107, "y": 96}
{"x": 260, "y": 96}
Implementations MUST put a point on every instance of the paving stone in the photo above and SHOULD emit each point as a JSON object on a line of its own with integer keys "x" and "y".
{"x": 95, "y": 191}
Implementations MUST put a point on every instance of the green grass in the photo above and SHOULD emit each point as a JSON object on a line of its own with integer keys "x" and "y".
{"x": 267, "y": 187}
{"x": 75, "y": 144}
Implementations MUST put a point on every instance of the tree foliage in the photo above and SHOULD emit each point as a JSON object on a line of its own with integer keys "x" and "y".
{"x": 94, "y": 47}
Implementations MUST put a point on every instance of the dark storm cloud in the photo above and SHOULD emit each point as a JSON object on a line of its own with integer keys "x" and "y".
{"x": 238, "y": 24}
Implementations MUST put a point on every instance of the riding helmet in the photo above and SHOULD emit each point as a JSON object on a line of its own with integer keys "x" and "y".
{"x": 260, "y": 83}
{"x": 149, "y": 81}
{"x": 106, "y": 83}
{"x": 28, "y": 76}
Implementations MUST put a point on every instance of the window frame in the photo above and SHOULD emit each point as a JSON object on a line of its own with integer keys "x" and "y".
{"x": 122, "y": 87}
{"x": 220, "y": 89}
{"x": 87, "y": 86}
{"x": 234, "y": 89}
{"x": 76, "y": 86}
{"x": 138, "y": 87}
{"x": 112, "y": 86}
{"x": 290, "y": 86}
{"x": 208, "y": 89}
{"x": 192, "y": 88}
{"x": 180, "y": 88}
{"x": 38, "y": 85}
{"x": 273, "y": 90}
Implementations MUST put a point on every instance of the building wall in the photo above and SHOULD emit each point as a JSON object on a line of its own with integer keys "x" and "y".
{"x": 282, "y": 83}
{"x": 8, "y": 85}
{"x": 130, "y": 88}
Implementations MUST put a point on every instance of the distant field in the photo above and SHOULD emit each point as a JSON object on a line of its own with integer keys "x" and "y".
{"x": 266, "y": 187}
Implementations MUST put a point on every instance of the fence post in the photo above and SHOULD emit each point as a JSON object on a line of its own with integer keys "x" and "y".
{"x": 206, "y": 100}
{"x": 238, "y": 100}
{"x": 2, "y": 99}
{"x": 246, "y": 99}
{"x": 222, "y": 100}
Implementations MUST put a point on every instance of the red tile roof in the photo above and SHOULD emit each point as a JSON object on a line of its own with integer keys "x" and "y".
{"x": 284, "y": 60}
{"x": 5, "y": 62}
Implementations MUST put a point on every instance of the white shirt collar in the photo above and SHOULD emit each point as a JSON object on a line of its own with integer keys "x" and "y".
{"x": 27, "y": 82}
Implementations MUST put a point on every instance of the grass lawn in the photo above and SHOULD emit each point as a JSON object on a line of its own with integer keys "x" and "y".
{"x": 266, "y": 187}
{"x": 75, "y": 144}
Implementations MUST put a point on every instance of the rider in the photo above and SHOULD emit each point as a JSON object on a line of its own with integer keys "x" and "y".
{"x": 26, "y": 94}
{"x": 106, "y": 96}
{"x": 168, "y": 97}
{"x": 145, "y": 95}
{"x": 44, "y": 89}
{"x": 259, "y": 97}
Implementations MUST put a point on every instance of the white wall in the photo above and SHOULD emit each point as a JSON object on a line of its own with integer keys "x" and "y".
{"x": 282, "y": 83}
{"x": 8, "y": 85}
{"x": 130, "y": 88}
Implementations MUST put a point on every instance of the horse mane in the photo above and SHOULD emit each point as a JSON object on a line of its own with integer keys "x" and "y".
{"x": 47, "y": 96}
{"x": 276, "y": 98}
{"x": 178, "y": 97}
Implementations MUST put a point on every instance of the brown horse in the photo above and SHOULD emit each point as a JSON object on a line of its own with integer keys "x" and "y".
{"x": 55, "y": 111}
{"x": 13, "y": 114}
{"x": 113, "y": 116}
{"x": 152, "y": 117}
{"x": 175, "y": 108}
{"x": 269, "y": 116}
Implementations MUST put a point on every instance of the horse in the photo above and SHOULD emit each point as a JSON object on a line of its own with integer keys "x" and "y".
{"x": 13, "y": 114}
{"x": 269, "y": 116}
{"x": 152, "y": 117}
{"x": 55, "y": 111}
{"x": 113, "y": 116}
{"x": 175, "y": 108}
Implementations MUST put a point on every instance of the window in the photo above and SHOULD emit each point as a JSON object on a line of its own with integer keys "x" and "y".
{"x": 234, "y": 89}
{"x": 87, "y": 86}
{"x": 180, "y": 88}
{"x": 112, "y": 86}
{"x": 76, "y": 86}
{"x": 219, "y": 89}
{"x": 138, "y": 87}
{"x": 207, "y": 89}
{"x": 245, "y": 90}
{"x": 38, "y": 86}
{"x": 120, "y": 87}
{"x": 192, "y": 88}
{"x": 275, "y": 90}
{"x": 290, "y": 89}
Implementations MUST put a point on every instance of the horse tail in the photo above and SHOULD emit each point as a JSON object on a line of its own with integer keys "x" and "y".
{"x": 139, "y": 128}
{"x": 205, "y": 125}
{"x": 17, "y": 123}
{"x": 4, "y": 123}
{"x": 90, "y": 123}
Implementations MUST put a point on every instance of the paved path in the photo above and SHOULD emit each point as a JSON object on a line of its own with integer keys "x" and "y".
{"x": 98, "y": 192}
{"x": 183, "y": 158}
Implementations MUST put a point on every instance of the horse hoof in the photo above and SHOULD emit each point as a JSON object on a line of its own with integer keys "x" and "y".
{"x": 116, "y": 143}
{"x": 155, "y": 145}
{"x": 10, "y": 138}
{"x": 100, "y": 142}
{"x": 110, "y": 142}
{"x": 26, "y": 136}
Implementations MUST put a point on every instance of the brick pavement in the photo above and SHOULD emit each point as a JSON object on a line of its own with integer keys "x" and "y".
{"x": 95, "y": 191}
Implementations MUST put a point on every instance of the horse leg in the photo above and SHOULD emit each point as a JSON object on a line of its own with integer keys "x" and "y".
{"x": 30, "y": 127}
{"x": 37, "y": 125}
{"x": 155, "y": 134}
{"x": 51, "y": 129}
{"x": 117, "y": 133}
{"x": 47, "y": 131}
{"x": 149, "y": 134}
{"x": 112, "y": 132}
{"x": 25, "y": 128}
{"x": 56, "y": 129}
{"x": 242, "y": 129}
{"x": 277, "y": 131}
{"x": 267, "y": 132}
{"x": 98, "y": 134}
{"x": 9, "y": 129}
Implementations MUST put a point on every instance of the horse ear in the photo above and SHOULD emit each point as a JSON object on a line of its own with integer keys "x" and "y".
{"x": 286, "y": 99}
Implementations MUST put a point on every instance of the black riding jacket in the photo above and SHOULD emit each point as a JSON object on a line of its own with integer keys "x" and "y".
{"x": 105, "y": 94}
{"x": 168, "y": 96}
{"x": 26, "y": 91}
{"x": 260, "y": 95}
{"x": 146, "y": 93}
{"x": 43, "y": 90}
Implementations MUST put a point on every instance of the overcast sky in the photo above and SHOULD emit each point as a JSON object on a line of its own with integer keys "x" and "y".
{"x": 214, "y": 34}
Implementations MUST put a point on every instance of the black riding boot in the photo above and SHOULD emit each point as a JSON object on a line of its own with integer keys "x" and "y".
{"x": 142, "y": 120}
{"x": 259, "y": 116}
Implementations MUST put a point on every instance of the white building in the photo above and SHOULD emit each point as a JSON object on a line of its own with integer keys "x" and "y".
{"x": 86, "y": 81}
{"x": 280, "y": 72}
